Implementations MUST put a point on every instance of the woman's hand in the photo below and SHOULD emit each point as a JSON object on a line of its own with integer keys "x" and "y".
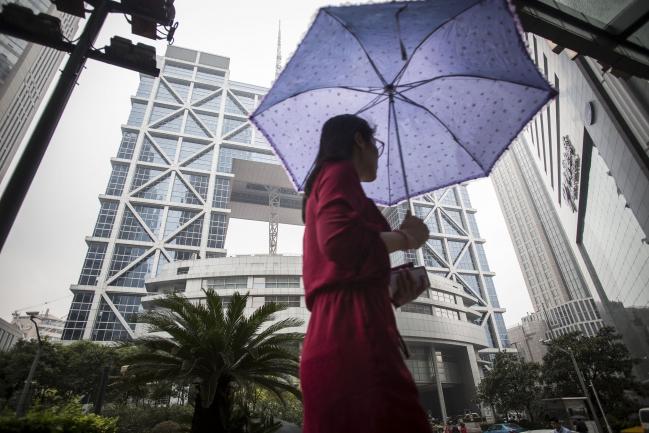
{"x": 415, "y": 230}
{"x": 408, "y": 288}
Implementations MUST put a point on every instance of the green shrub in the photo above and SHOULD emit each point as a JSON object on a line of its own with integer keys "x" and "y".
{"x": 167, "y": 427}
{"x": 140, "y": 419}
{"x": 68, "y": 419}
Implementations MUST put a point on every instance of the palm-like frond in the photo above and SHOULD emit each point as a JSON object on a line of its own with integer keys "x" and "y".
{"x": 218, "y": 347}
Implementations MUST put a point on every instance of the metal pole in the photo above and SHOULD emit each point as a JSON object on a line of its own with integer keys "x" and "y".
{"x": 25, "y": 170}
{"x": 20, "y": 408}
{"x": 582, "y": 383}
{"x": 101, "y": 391}
{"x": 601, "y": 409}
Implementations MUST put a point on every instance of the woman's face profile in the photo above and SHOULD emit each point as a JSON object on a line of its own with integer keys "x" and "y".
{"x": 366, "y": 155}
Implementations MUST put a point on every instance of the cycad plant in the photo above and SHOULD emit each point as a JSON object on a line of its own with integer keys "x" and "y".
{"x": 220, "y": 350}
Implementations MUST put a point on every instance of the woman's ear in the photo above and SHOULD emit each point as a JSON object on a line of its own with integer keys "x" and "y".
{"x": 359, "y": 141}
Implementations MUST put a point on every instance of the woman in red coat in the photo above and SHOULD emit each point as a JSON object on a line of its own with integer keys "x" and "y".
{"x": 352, "y": 373}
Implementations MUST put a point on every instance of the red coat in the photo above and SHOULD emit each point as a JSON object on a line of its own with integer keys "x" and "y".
{"x": 352, "y": 374}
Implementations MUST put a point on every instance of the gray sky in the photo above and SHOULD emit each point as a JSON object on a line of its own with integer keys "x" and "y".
{"x": 45, "y": 250}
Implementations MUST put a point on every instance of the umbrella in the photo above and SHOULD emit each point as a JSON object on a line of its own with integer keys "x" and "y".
{"x": 447, "y": 83}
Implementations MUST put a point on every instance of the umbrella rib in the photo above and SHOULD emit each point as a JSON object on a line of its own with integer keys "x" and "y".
{"x": 405, "y": 65}
{"x": 416, "y": 84}
{"x": 346, "y": 27}
{"x": 256, "y": 113}
{"x": 410, "y": 101}
{"x": 373, "y": 103}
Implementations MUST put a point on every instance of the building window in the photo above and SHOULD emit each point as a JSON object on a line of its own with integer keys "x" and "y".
{"x": 286, "y": 300}
{"x": 178, "y": 70}
{"x": 77, "y": 316}
{"x": 218, "y": 228}
{"x": 227, "y": 283}
{"x": 92, "y": 263}
{"x": 282, "y": 281}
{"x": 123, "y": 256}
{"x": 190, "y": 235}
{"x": 210, "y": 76}
{"x": 137, "y": 113}
{"x": 221, "y": 197}
{"x": 446, "y": 313}
{"x": 181, "y": 194}
{"x": 117, "y": 179}
{"x": 144, "y": 88}
{"x": 419, "y": 364}
{"x": 482, "y": 257}
{"x": 127, "y": 145}
{"x": 199, "y": 182}
{"x": 105, "y": 220}
{"x": 176, "y": 218}
{"x": 415, "y": 307}
{"x": 473, "y": 225}
{"x": 107, "y": 326}
{"x": 442, "y": 296}
{"x": 135, "y": 276}
{"x": 144, "y": 175}
{"x": 131, "y": 229}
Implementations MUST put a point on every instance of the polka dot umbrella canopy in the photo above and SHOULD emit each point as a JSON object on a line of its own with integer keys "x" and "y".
{"x": 447, "y": 83}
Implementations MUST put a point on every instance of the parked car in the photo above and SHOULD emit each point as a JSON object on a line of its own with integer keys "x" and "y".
{"x": 506, "y": 428}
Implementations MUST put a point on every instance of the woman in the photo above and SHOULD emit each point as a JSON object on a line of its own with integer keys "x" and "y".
{"x": 352, "y": 374}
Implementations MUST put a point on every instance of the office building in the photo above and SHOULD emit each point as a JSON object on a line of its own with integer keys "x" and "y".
{"x": 49, "y": 326}
{"x": 587, "y": 153}
{"x": 188, "y": 161}
{"x": 9, "y": 335}
{"x": 441, "y": 327}
{"x": 26, "y": 71}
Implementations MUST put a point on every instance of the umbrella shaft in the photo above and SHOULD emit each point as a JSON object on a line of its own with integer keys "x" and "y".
{"x": 393, "y": 113}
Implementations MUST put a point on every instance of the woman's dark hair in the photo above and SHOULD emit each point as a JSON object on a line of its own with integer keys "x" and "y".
{"x": 336, "y": 144}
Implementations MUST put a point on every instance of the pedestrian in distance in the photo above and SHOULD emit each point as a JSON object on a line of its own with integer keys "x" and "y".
{"x": 557, "y": 427}
{"x": 353, "y": 375}
{"x": 580, "y": 426}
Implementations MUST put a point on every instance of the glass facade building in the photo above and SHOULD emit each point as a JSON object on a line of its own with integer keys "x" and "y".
{"x": 168, "y": 195}
{"x": 26, "y": 71}
{"x": 582, "y": 167}
{"x": 455, "y": 251}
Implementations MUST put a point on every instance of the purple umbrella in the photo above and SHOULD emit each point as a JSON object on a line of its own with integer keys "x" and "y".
{"x": 447, "y": 83}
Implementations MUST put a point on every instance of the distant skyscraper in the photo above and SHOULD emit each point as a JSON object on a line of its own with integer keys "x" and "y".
{"x": 26, "y": 71}
{"x": 172, "y": 188}
{"x": 578, "y": 181}
{"x": 554, "y": 281}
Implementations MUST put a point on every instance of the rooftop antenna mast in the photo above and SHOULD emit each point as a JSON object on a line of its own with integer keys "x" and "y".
{"x": 278, "y": 63}
{"x": 273, "y": 192}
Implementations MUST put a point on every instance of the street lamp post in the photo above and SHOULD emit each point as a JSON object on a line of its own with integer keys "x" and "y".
{"x": 582, "y": 383}
{"x": 601, "y": 409}
{"x": 20, "y": 408}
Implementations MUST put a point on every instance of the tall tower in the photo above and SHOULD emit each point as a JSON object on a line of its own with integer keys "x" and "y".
{"x": 455, "y": 251}
{"x": 26, "y": 71}
{"x": 188, "y": 161}
{"x": 582, "y": 169}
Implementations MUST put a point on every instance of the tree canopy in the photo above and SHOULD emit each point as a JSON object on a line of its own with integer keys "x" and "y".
{"x": 219, "y": 350}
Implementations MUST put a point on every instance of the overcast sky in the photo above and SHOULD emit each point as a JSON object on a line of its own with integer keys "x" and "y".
{"x": 45, "y": 250}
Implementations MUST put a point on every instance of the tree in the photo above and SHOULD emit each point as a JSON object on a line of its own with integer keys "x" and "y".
{"x": 218, "y": 350}
{"x": 602, "y": 359}
{"x": 511, "y": 385}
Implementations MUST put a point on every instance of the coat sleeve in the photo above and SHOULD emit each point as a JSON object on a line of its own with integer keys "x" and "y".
{"x": 343, "y": 236}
